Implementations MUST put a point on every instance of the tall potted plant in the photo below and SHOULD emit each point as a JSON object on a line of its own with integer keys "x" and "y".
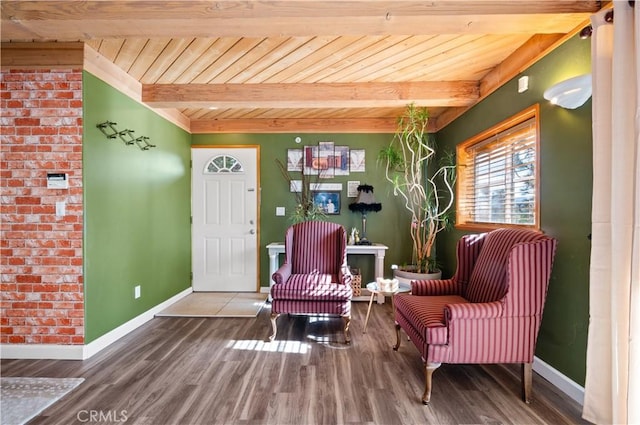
{"x": 306, "y": 209}
{"x": 426, "y": 187}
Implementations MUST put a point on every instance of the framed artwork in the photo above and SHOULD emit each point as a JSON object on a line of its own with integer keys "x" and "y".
{"x": 325, "y": 160}
{"x": 352, "y": 189}
{"x": 310, "y": 160}
{"x": 329, "y": 201}
{"x": 356, "y": 163}
{"x": 294, "y": 159}
{"x": 341, "y": 161}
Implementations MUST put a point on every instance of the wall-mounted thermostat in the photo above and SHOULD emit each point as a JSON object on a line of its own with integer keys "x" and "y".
{"x": 57, "y": 181}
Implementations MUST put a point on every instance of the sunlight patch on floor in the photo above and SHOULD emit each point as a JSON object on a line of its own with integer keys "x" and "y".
{"x": 323, "y": 338}
{"x": 295, "y": 347}
{"x": 314, "y": 319}
{"x": 320, "y": 339}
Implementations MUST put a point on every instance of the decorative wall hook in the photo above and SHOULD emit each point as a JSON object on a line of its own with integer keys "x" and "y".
{"x": 107, "y": 126}
{"x": 143, "y": 143}
{"x": 108, "y": 129}
{"x": 126, "y": 136}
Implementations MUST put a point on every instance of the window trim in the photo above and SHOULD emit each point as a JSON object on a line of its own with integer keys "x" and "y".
{"x": 461, "y": 186}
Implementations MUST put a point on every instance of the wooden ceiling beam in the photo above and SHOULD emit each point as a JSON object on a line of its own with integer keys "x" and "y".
{"x": 42, "y": 55}
{"x": 228, "y": 9}
{"x": 309, "y": 95}
{"x": 305, "y": 125}
{"x": 71, "y": 20}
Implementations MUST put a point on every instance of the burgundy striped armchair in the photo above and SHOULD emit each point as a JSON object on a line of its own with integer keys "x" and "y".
{"x": 314, "y": 278}
{"x": 489, "y": 312}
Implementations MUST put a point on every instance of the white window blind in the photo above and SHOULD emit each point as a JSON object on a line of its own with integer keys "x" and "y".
{"x": 500, "y": 178}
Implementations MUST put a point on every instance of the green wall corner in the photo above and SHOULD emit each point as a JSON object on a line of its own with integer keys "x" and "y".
{"x": 137, "y": 210}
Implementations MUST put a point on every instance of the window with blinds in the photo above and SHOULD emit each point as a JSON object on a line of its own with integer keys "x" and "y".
{"x": 498, "y": 175}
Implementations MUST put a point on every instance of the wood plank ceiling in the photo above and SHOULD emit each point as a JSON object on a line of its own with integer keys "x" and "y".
{"x": 303, "y": 65}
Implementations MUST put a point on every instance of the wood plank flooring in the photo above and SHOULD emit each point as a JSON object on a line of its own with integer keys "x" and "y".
{"x": 220, "y": 371}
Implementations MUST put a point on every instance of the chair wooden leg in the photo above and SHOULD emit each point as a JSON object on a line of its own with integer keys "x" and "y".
{"x": 429, "y": 368}
{"x": 347, "y": 335}
{"x": 527, "y": 382}
{"x": 395, "y": 347}
{"x": 274, "y": 328}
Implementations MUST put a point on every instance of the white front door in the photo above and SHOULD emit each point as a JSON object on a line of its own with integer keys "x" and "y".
{"x": 225, "y": 219}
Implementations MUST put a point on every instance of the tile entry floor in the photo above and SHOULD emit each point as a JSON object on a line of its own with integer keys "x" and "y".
{"x": 217, "y": 304}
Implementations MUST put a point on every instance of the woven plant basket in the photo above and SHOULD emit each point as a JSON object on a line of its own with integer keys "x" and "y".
{"x": 356, "y": 282}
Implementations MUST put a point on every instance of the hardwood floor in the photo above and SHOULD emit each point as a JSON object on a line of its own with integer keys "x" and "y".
{"x": 220, "y": 371}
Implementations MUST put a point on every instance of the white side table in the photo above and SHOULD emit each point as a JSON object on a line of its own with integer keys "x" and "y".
{"x": 373, "y": 288}
{"x": 376, "y": 249}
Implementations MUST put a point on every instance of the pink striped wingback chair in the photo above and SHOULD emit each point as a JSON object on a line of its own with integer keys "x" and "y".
{"x": 489, "y": 312}
{"x": 314, "y": 278}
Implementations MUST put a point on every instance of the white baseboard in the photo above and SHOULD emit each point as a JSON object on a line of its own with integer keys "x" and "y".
{"x": 83, "y": 352}
{"x": 114, "y": 335}
{"x": 41, "y": 351}
{"x": 564, "y": 384}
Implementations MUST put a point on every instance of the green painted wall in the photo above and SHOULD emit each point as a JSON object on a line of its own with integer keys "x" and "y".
{"x": 387, "y": 226}
{"x": 137, "y": 210}
{"x": 565, "y": 196}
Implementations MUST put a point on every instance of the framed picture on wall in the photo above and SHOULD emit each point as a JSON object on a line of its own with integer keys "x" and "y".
{"x": 356, "y": 163}
{"x": 310, "y": 160}
{"x": 294, "y": 159}
{"x": 341, "y": 161}
{"x": 325, "y": 159}
{"x": 328, "y": 200}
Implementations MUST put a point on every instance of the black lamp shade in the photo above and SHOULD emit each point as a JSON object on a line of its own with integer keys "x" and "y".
{"x": 365, "y": 201}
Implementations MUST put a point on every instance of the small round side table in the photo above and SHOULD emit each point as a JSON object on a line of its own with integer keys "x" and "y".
{"x": 373, "y": 288}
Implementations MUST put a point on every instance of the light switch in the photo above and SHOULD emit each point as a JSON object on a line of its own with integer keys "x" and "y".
{"x": 61, "y": 209}
{"x": 280, "y": 211}
{"x": 523, "y": 84}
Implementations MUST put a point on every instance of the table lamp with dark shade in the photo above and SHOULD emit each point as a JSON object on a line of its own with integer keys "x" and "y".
{"x": 365, "y": 202}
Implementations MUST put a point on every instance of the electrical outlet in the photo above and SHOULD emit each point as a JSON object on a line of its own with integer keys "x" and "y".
{"x": 136, "y": 292}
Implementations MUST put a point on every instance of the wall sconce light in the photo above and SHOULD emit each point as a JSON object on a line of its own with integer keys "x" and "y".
{"x": 571, "y": 93}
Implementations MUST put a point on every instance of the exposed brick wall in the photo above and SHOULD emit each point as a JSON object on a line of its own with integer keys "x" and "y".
{"x": 41, "y": 258}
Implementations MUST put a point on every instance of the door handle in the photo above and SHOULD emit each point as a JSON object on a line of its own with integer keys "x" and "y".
{"x": 252, "y": 231}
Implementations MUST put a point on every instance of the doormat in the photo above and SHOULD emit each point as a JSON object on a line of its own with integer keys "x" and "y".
{"x": 216, "y": 304}
{"x": 25, "y": 398}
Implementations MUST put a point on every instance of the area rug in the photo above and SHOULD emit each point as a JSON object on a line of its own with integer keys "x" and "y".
{"x": 21, "y": 399}
{"x": 216, "y": 304}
